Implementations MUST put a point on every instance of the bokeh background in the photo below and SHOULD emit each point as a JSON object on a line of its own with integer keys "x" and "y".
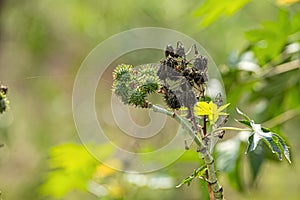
{"x": 42, "y": 45}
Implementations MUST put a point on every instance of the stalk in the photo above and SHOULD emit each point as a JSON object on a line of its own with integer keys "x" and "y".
{"x": 217, "y": 190}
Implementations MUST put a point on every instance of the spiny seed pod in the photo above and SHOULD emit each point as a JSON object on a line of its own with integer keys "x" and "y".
{"x": 170, "y": 98}
{"x": 4, "y": 103}
{"x": 122, "y": 72}
{"x": 149, "y": 88}
{"x": 133, "y": 85}
{"x": 137, "y": 98}
{"x": 201, "y": 63}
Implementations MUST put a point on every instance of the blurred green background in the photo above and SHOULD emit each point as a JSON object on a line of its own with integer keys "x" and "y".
{"x": 42, "y": 44}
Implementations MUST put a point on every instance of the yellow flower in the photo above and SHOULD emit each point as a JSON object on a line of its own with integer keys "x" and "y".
{"x": 210, "y": 109}
{"x": 103, "y": 171}
{"x": 286, "y": 2}
{"x": 116, "y": 190}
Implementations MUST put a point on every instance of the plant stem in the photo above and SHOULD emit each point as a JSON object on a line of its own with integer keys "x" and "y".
{"x": 205, "y": 154}
{"x": 231, "y": 129}
{"x": 279, "y": 69}
{"x": 283, "y": 117}
{"x": 180, "y": 120}
{"x": 211, "y": 194}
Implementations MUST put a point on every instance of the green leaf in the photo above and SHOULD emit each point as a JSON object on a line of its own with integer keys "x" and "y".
{"x": 269, "y": 41}
{"x": 244, "y": 122}
{"x": 72, "y": 166}
{"x": 211, "y": 10}
{"x": 256, "y": 159}
{"x": 275, "y": 143}
{"x": 228, "y": 160}
{"x": 197, "y": 173}
{"x": 243, "y": 114}
{"x": 251, "y": 145}
{"x": 283, "y": 147}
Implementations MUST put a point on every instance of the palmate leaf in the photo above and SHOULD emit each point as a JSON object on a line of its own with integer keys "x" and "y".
{"x": 259, "y": 134}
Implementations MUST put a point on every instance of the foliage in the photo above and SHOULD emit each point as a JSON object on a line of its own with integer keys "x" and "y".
{"x": 228, "y": 160}
{"x": 51, "y": 38}
{"x": 211, "y": 10}
{"x": 72, "y": 166}
{"x": 276, "y": 143}
{"x": 268, "y": 42}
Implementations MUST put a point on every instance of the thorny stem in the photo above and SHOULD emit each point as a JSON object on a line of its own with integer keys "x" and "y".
{"x": 203, "y": 149}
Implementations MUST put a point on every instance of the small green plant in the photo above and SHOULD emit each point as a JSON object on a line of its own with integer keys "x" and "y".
{"x": 4, "y": 105}
{"x": 183, "y": 86}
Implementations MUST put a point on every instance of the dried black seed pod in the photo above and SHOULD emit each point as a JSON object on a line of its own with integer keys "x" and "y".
{"x": 200, "y": 63}
{"x": 162, "y": 71}
{"x": 176, "y": 69}
{"x": 180, "y": 52}
{"x": 170, "y": 98}
{"x": 188, "y": 97}
{"x": 169, "y": 51}
{"x": 218, "y": 100}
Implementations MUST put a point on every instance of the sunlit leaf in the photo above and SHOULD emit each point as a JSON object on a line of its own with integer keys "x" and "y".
{"x": 287, "y": 2}
{"x": 71, "y": 168}
{"x": 268, "y": 42}
{"x": 211, "y": 10}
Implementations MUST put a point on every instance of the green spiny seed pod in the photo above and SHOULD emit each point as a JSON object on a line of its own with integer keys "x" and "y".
{"x": 149, "y": 87}
{"x": 122, "y": 91}
{"x": 122, "y": 76}
{"x": 132, "y": 85}
{"x": 122, "y": 72}
{"x": 137, "y": 98}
